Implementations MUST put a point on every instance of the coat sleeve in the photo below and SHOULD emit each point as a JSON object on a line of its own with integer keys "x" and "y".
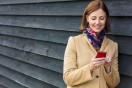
{"x": 113, "y": 78}
{"x": 73, "y": 75}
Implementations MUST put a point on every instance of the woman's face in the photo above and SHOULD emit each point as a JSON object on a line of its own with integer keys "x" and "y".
{"x": 97, "y": 20}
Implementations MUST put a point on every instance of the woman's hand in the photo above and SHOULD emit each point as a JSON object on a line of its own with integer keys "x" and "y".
{"x": 96, "y": 63}
{"x": 107, "y": 64}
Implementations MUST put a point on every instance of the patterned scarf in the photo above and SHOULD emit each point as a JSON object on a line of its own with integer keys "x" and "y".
{"x": 95, "y": 40}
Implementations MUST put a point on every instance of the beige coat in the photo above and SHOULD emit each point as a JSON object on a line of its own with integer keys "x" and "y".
{"x": 78, "y": 54}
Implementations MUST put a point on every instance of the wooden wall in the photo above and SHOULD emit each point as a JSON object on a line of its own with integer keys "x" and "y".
{"x": 33, "y": 37}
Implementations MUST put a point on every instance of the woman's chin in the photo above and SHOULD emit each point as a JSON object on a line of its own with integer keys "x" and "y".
{"x": 97, "y": 30}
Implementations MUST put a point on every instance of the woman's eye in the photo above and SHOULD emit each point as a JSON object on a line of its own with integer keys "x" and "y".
{"x": 93, "y": 18}
{"x": 102, "y": 18}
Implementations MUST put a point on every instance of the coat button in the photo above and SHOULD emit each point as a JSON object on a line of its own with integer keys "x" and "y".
{"x": 97, "y": 76}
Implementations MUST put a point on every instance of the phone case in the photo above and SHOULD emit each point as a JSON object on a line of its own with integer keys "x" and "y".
{"x": 100, "y": 54}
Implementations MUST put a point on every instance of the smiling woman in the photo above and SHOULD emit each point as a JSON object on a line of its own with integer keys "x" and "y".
{"x": 82, "y": 68}
{"x": 95, "y": 9}
{"x": 97, "y": 20}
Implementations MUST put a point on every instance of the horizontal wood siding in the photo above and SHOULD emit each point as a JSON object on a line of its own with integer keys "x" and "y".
{"x": 34, "y": 34}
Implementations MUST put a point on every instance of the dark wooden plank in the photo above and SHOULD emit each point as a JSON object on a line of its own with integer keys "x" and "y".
{"x": 45, "y": 22}
{"x": 66, "y": 23}
{"x": 8, "y": 83}
{"x": 38, "y": 47}
{"x": 38, "y": 73}
{"x": 124, "y": 43}
{"x": 121, "y": 25}
{"x": 37, "y": 34}
{"x": 38, "y": 60}
{"x": 23, "y": 79}
{"x": 125, "y": 65}
{"x": 75, "y": 8}
{"x": 4, "y": 2}
{"x": 126, "y": 82}
{"x": 119, "y": 7}
{"x": 43, "y": 8}
{"x": 1, "y": 86}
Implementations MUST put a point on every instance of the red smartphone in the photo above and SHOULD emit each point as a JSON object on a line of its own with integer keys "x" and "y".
{"x": 100, "y": 54}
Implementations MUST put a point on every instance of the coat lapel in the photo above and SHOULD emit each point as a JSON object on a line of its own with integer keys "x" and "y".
{"x": 104, "y": 44}
{"x": 88, "y": 44}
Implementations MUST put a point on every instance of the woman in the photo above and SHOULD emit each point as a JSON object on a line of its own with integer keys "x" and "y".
{"x": 82, "y": 69}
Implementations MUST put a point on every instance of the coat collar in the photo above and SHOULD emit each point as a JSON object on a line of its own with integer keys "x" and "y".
{"x": 104, "y": 44}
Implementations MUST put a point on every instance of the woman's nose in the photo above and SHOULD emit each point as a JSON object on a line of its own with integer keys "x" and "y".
{"x": 97, "y": 21}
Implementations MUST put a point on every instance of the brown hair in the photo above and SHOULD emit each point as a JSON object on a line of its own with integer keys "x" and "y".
{"x": 91, "y": 7}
